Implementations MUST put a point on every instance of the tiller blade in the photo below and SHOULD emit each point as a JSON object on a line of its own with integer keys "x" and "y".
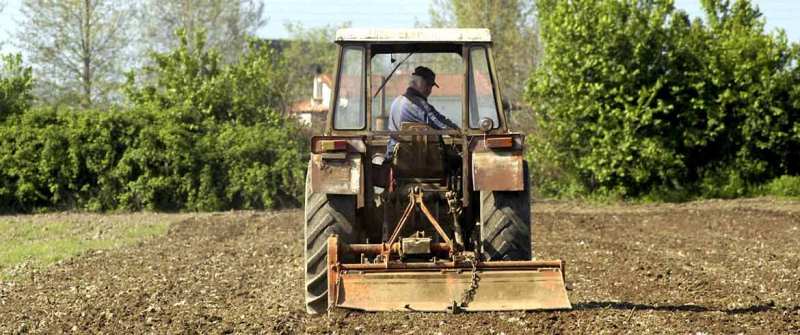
{"x": 443, "y": 285}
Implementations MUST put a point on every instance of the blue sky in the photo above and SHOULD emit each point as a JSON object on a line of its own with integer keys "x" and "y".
{"x": 386, "y": 13}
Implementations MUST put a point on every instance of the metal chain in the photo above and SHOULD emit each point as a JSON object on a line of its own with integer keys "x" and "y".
{"x": 469, "y": 293}
{"x": 454, "y": 208}
{"x": 453, "y": 203}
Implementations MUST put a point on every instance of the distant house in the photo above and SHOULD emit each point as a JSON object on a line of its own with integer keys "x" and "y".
{"x": 312, "y": 112}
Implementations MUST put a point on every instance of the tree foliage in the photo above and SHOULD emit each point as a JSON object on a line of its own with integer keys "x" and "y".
{"x": 78, "y": 47}
{"x": 634, "y": 98}
{"x": 201, "y": 135}
{"x": 2, "y": 8}
{"x": 16, "y": 84}
{"x": 226, "y": 24}
{"x": 311, "y": 52}
{"x": 226, "y": 137}
{"x": 514, "y": 32}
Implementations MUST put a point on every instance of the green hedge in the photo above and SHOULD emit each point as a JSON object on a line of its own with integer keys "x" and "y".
{"x": 197, "y": 135}
{"x": 635, "y": 99}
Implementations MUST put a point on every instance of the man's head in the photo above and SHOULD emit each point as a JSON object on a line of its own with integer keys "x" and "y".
{"x": 423, "y": 80}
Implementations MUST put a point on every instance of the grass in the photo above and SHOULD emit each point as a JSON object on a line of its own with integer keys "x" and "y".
{"x": 783, "y": 187}
{"x": 36, "y": 241}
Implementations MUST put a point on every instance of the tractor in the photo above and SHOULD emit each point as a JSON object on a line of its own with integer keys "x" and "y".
{"x": 445, "y": 223}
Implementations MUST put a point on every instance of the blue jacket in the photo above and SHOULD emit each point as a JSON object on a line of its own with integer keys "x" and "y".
{"x": 414, "y": 107}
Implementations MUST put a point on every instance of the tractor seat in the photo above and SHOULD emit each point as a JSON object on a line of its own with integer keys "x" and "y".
{"x": 418, "y": 156}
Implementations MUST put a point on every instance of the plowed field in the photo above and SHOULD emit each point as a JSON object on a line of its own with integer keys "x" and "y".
{"x": 708, "y": 267}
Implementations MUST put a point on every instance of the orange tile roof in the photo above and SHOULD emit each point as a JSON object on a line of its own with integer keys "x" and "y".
{"x": 308, "y": 106}
{"x": 326, "y": 78}
{"x": 449, "y": 84}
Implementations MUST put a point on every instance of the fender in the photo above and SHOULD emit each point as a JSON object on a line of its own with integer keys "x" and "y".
{"x": 497, "y": 163}
{"x": 336, "y": 166}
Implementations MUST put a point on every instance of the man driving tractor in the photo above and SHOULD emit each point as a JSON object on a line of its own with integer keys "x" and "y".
{"x": 413, "y": 106}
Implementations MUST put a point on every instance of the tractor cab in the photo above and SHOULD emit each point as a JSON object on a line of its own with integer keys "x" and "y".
{"x": 375, "y": 67}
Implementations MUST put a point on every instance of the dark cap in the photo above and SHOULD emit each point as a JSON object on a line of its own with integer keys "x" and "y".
{"x": 426, "y": 73}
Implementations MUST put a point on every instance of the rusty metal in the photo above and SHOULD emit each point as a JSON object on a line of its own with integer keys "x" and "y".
{"x": 417, "y": 245}
{"x": 469, "y": 294}
{"x": 481, "y": 143}
{"x": 437, "y": 266}
{"x": 343, "y": 175}
{"x": 376, "y": 249}
{"x": 466, "y": 184}
{"x": 437, "y": 290}
{"x": 403, "y": 219}
{"x": 439, "y": 286}
{"x": 499, "y": 142}
{"x": 498, "y": 171}
{"x": 454, "y": 209}
{"x": 415, "y": 200}
{"x": 334, "y": 281}
{"x": 433, "y": 220}
{"x": 341, "y": 171}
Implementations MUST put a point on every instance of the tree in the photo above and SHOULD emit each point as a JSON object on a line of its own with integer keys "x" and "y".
{"x": 635, "y": 99}
{"x": 217, "y": 139}
{"x": 226, "y": 23}
{"x": 2, "y": 7}
{"x": 16, "y": 82}
{"x": 514, "y": 32}
{"x": 76, "y": 46}
{"x": 311, "y": 51}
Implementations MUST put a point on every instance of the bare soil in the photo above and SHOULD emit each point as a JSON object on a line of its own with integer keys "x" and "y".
{"x": 708, "y": 267}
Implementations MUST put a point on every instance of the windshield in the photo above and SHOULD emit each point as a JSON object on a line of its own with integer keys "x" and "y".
{"x": 447, "y": 98}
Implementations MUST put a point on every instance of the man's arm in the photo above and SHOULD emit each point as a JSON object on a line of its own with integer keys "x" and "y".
{"x": 439, "y": 121}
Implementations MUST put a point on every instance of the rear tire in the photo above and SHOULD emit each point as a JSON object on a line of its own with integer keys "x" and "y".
{"x": 506, "y": 223}
{"x": 325, "y": 215}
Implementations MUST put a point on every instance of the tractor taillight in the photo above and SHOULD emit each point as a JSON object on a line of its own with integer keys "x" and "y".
{"x": 332, "y": 145}
{"x": 499, "y": 142}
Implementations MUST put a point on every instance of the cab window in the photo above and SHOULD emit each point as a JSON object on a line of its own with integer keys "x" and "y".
{"x": 349, "y": 108}
{"x": 447, "y": 98}
{"x": 481, "y": 91}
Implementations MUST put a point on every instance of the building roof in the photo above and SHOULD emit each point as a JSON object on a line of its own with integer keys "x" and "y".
{"x": 413, "y": 35}
{"x": 326, "y": 79}
{"x": 308, "y": 106}
{"x": 449, "y": 84}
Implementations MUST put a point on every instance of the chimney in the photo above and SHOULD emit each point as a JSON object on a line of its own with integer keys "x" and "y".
{"x": 317, "y": 93}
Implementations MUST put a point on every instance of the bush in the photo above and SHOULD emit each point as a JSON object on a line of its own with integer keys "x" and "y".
{"x": 198, "y": 135}
{"x": 218, "y": 140}
{"x": 783, "y": 186}
{"x": 62, "y": 158}
{"x": 633, "y": 98}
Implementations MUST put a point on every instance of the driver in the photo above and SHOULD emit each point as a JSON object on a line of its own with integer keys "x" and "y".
{"x": 413, "y": 106}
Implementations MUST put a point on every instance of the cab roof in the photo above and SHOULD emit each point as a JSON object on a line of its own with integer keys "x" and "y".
{"x": 413, "y": 35}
